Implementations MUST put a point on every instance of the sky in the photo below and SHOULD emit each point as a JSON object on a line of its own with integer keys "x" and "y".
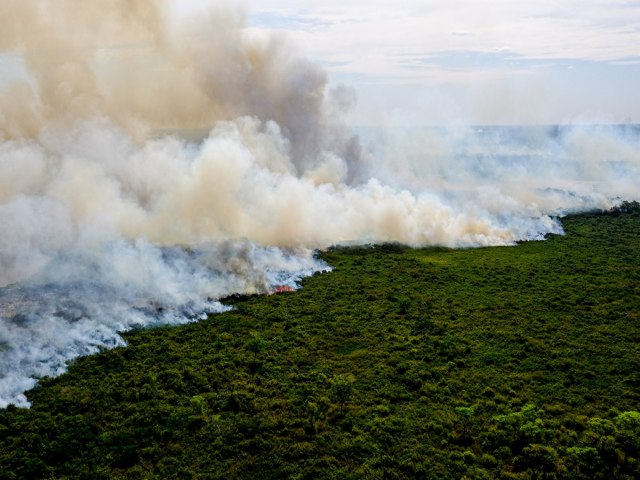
{"x": 437, "y": 62}
{"x": 468, "y": 61}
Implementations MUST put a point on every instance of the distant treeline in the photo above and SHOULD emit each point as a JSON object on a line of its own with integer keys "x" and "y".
{"x": 626, "y": 207}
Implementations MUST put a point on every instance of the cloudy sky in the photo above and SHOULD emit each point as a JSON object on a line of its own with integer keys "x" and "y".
{"x": 470, "y": 61}
{"x": 425, "y": 62}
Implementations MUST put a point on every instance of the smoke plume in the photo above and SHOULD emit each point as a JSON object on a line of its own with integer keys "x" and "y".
{"x": 152, "y": 163}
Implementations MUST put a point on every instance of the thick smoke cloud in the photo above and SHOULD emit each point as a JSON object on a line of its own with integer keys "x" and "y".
{"x": 152, "y": 163}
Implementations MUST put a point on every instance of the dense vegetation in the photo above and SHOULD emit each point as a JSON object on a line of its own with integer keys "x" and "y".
{"x": 514, "y": 362}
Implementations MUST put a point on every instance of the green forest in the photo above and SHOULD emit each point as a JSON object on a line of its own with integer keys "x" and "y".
{"x": 518, "y": 362}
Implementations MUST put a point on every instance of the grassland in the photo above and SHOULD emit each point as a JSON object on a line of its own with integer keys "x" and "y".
{"x": 512, "y": 363}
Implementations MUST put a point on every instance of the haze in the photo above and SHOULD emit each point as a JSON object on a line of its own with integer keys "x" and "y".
{"x": 113, "y": 219}
{"x": 477, "y": 62}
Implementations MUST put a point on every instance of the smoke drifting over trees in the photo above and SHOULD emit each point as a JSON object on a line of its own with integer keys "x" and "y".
{"x": 112, "y": 219}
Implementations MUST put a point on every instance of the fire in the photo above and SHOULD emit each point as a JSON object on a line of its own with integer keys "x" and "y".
{"x": 284, "y": 289}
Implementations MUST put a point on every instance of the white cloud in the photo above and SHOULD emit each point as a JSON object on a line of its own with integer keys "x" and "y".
{"x": 483, "y": 47}
{"x": 372, "y": 35}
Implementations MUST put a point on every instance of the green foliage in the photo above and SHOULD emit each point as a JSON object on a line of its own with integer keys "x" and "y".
{"x": 496, "y": 363}
{"x": 626, "y": 207}
{"x": 465, "y": 412}
{"x": 466, "y": 415}
{"x": 341, "y": 388}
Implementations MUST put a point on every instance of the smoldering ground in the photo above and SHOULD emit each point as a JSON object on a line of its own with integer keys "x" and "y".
{"x": 109, "y": 221}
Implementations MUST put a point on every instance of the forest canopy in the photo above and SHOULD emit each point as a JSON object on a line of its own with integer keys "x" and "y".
{"x": 505, "y": 362}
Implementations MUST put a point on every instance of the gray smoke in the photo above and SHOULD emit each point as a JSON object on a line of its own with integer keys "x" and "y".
{"x": 84, "y": 296}
{"x": 152, "y": 164}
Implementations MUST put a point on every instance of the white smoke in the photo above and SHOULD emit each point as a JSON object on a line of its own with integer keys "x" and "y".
{"x": 84, "y": 296}
{"x": 111, "y": 219}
